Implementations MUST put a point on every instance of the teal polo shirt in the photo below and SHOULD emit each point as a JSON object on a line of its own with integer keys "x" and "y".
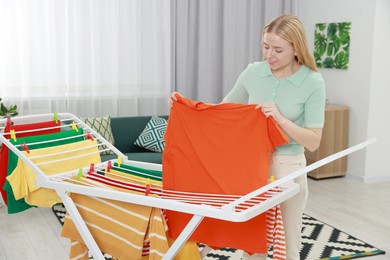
{"x": 300, "y": 97}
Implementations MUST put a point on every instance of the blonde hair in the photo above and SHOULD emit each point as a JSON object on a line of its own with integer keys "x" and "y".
{"x": 291, "y": 29}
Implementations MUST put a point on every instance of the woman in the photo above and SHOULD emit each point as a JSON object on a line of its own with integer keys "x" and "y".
{"x": 287, "y": 87}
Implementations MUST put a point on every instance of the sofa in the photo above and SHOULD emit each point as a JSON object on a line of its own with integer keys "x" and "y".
{"x": 125, "y": 131}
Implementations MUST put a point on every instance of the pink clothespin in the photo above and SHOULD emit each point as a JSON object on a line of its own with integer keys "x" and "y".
{"x": 109, "y": 166}
{"x": 89, "y": 136}
{"x": 92, "y": 168}
{"x": 25, "y": 147}
{"x": 147, "y": 187}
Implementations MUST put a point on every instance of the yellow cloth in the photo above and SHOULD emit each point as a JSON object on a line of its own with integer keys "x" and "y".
{"x": 22, "y": 179}
{"x": 119, "y": 228}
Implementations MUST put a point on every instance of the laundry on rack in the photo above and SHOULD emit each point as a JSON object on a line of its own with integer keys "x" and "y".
{"x": 219, "y": 149}
{"x": 35, "y": 142}
{"x": 22, "y": 130}
{"x": 119, "y": 228}
{"x": 50, "y": 160}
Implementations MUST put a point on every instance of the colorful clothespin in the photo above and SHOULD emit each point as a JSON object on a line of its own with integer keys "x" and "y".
{"x": 147, "y": 187}
{"x": 89, "y": 136}
{"x": 271, "y": 178}
{"x": 92, "y": 168}
{"x": 119, "y": 161}
{"x": 13, "y": 135}
{"x": 73, "y": 125}
{"x": 109, "y": 166}
{"x": 25, "y": 147}
{"x": 55, "y": 117}
{"x": 8, "y": 121}
{"x": 80, "y": 174}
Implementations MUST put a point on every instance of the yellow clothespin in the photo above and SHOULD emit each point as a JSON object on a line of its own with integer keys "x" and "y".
{"x": 119, "y": 161}
{"x": 271, "y": 178}
{"x": 73, "y": 125}
{"x": 80, "y": 174}
{"x": 13, "y": 135}
{"x": 55, "y": 117}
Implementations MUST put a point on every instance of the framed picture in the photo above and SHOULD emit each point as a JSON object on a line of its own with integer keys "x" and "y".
{"x": 331, "y": 45}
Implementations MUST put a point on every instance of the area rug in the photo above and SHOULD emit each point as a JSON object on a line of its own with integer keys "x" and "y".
{"x": 319, "y": 241}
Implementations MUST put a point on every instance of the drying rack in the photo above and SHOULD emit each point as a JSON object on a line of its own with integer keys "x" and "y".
{"x": 231, "y": 211}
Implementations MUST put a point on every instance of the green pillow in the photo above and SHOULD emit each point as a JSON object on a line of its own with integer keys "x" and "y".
{"x": 102, "y": 125}
{"x": 152, "y": 137}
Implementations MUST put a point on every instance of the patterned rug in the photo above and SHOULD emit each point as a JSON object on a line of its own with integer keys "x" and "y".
{"x": 319, "y": 241}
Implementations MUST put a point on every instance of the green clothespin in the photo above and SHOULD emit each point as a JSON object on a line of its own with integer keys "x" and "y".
{"x": 55, "y": 117}
{"x": 80, "y": 174}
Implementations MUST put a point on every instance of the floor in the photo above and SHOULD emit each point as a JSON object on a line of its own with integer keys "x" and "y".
{"x": 362, "y": 210}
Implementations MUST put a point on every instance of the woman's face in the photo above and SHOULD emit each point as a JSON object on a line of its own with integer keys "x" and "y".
{"x": 279, "y": 53}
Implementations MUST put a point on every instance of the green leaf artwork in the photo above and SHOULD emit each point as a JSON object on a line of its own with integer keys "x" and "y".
{"x": 331, "y": 45}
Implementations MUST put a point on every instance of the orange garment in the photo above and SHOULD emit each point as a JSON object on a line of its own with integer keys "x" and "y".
{"x": 218, "y": 149}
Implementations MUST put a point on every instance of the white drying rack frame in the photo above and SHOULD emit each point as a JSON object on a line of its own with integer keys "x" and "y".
{"x": 227, "y": 212}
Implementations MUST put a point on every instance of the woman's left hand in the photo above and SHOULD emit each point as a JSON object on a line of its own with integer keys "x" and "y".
{"x": 270, "y": 109}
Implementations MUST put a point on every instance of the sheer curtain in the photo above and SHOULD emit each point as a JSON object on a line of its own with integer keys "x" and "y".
{"x": 215, "y": 41}
{"x": 90, "y": 57}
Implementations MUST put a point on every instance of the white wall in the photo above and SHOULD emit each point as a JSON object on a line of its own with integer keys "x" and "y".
{"x": 378, "y": 156}
{"x": 361, "y": 87}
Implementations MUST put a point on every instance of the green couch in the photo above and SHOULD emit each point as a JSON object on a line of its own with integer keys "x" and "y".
{"x": 125, "y": 131}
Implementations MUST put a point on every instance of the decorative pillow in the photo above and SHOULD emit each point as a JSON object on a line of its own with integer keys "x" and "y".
{"x": 152, "y": 137}
{"x": 102, "y": 125}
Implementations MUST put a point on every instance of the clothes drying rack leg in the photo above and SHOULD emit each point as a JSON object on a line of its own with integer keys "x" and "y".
{"x": 77, "y": 219}
{"x": 183, "y": 237}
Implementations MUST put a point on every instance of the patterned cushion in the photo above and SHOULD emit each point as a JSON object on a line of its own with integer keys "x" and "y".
{"x": 102, "y": 125}
{"x": 152, "y": 137}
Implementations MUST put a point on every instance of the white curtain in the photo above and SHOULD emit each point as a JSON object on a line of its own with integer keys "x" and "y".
{"x": 87, "y": 57}
{"x": 215, "y": 41}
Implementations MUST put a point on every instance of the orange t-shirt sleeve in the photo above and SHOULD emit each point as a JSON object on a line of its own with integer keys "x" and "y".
{"x": 276, "y": 135}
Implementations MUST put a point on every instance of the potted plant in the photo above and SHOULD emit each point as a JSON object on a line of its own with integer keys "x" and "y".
{"x": 8, "y": 111}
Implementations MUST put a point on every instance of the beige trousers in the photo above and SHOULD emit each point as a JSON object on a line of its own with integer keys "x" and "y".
{"x": 292, "y": 209}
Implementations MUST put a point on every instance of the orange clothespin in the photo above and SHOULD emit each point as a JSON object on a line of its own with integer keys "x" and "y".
{"x": 55, "y": 117}
{"x": 92, "y": 168}
{"x": 25, "y": 147}
{"x": 89, "y": 136}
{"x": 147, "y": 187}
{"x": 80, "y": 174}
{"x": 109, "y": 166}
{"x": 73, "y": 125}
{"x": 13, "y": 135}
{"x": 119, "y": 161}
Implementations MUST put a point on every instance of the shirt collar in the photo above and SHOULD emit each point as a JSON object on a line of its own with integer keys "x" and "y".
{"x": 297, "y": 78}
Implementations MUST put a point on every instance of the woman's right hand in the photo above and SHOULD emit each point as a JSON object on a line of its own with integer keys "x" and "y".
{"x": 172, "y": 98}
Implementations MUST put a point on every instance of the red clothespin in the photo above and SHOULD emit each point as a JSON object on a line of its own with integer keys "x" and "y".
{"x": 25, "y": 147}
{"x": 92, "y": 168}
{"x": 8, "y": 121}
{"x": 109, "y": 166}
{"x": 89, "y": 136}
{"x": 147, "y": 187}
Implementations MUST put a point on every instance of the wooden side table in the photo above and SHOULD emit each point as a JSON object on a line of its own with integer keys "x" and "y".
{"x": 334, "y": 139}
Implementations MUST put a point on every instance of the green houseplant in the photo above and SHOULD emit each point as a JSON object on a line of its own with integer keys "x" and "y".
{"x": 8, "y": 111}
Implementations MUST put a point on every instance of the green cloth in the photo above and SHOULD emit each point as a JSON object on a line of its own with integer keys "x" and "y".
{"x": 300, "y": 97}
{"x": 16, "y": 206}
{"x": 140, "y": 172}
